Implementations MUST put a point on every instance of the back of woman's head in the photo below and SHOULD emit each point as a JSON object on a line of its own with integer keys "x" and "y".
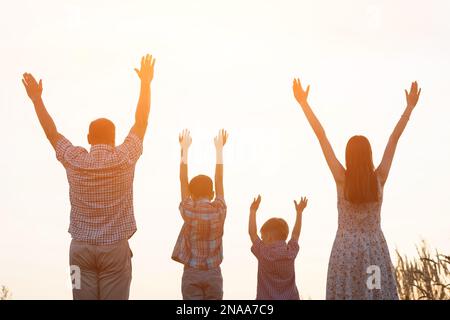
{"x": 361, "y": 185}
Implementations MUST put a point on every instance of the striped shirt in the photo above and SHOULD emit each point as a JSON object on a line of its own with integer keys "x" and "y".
{"x": 276, "y": 270}
{"x": 101, "y": 189}
{"x": 199, "y": 244}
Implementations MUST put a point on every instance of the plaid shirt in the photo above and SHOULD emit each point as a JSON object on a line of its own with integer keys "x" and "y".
{"x": 101, "y": 189}
{"x": 199, "y": 244}
{"x": 276, "y": 270}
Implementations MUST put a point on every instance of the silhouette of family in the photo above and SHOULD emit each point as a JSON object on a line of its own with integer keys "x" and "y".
{"x": 102, "y": 217}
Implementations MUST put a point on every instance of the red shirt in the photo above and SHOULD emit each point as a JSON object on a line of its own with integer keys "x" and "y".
{"x": 199, "y": 244}
{"x": 276, "y": 270}
{"x": 101, "y": 189}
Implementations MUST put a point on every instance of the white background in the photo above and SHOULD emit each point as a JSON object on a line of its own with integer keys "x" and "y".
{"x": 221, "y": 64}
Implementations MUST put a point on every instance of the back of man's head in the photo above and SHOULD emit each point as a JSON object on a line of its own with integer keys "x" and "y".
{"x": 102, "y": 131}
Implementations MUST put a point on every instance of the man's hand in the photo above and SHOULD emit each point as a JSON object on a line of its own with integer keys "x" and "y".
{"x": 413, "y": 95}
{"x": 185, "y": 140}
{"x": 300, "y": 95}
{"x": 220, "y": 139}
{"x": 255, "y": 204}
{"x": 299, "y": 207}
{"x": 146, "y": 71}
{"x": 34, "y": 89}
{"x": 143, "y": 107}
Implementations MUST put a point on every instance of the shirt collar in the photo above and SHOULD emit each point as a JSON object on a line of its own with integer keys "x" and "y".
{"x": 99, "y": 147}
{"x": 278, "y": 243}
{"x": 203, "y": 200}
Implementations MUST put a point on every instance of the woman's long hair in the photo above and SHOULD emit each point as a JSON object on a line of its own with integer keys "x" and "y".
{"x": 361, "y": 185}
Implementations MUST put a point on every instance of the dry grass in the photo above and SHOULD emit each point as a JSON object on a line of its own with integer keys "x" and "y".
{"x": 5, "y": 294}
{"x": 426, "y": 277}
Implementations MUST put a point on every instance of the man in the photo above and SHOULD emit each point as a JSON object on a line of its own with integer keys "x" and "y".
{"x": 101, "y": 194}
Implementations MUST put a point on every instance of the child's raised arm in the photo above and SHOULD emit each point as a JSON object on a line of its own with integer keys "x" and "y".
{"x": 219, "y": 142}
{"x": 252, "y": 219}
{"x": 299, "y": 207}
{"x": 185, "y": 142}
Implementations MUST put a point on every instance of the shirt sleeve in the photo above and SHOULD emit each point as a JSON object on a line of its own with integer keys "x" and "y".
{"x": 131, "y": 148}
{"x": 66, "y": 151}
{"x": 293, "y": 247}
{"x": 220, "y": 204}
{"x": 257, "y": 248}
{"x": 184, "y": 207}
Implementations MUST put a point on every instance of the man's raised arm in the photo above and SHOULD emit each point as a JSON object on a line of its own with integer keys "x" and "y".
{"x": 143, "y": 107}
{"x": 34, "y": 91}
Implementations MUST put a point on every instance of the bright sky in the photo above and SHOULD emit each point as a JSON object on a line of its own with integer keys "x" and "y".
{"x": 222, "y": 64}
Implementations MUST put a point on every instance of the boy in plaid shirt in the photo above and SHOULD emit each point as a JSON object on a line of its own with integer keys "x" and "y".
{"x": 276, "y": 258}
{"x": 199, "y": 244}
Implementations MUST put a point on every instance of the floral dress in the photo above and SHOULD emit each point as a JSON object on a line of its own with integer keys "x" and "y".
{"x": 360, "y": 266}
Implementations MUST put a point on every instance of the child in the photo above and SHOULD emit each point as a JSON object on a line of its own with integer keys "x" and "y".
{"x": 199, "y": 244}
{"x": 276, "y": 259}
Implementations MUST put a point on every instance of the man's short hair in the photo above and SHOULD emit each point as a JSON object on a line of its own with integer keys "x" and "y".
{"x": 102, "y": 131}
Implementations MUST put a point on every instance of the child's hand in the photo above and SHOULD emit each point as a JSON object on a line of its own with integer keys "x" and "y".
{"x": 221, "y": 139}
{"x": 255, "y": 204}
{"x": 300, "y": 94}
{"x": 185, "y": 139}
{"x": 299, "y": 207}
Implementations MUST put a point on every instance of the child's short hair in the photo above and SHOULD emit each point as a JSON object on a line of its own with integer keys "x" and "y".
{"x": 201, "y": 186}
{"x": 277, "y": 227}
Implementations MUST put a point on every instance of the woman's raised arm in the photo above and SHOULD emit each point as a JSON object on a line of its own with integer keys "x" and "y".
{"x": 411, "y": 100}
{"x": 335, "y": 166}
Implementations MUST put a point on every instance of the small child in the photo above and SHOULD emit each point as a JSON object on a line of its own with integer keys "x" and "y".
{"x": 276, "y": 259}
{"x": 199, "y": 244}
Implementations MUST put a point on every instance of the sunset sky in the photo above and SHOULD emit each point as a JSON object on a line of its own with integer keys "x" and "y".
{"x": 222, "y": 64}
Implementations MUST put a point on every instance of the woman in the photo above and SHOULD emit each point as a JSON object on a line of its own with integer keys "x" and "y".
{"x": 360, "y": 266}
